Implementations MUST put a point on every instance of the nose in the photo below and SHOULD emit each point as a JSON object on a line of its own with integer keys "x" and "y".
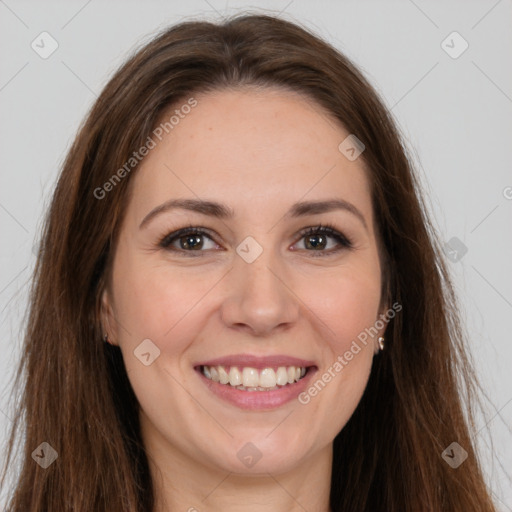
{"x": 260, "y": 298}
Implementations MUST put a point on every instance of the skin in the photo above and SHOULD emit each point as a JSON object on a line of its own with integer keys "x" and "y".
{"x": 258, "y": 152}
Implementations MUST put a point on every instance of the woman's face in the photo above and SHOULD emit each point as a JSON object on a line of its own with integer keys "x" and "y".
{"x": 245, "y": 293}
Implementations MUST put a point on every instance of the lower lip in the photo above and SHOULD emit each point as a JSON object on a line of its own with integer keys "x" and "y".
{"x": 258, "y": 400}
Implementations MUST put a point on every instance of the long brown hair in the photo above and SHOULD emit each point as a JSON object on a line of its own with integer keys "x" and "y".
{"x": 75, "y": 392}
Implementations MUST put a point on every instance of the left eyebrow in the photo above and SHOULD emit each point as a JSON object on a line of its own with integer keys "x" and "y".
{"x": 315, "y": 207}
{"x": 214, "y": 209}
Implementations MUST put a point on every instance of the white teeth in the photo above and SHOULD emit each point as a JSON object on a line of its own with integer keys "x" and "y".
{"x": 281, "y": 376}
{"x": 252, "y": 379}
{"x": 268, "y": 378}
{"x": 223, "y": 375}
{"x": 235, "y": 377}
{"x": 214, "y": 374}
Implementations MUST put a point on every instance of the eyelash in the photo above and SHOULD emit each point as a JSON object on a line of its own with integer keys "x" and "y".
{"x": 325, "y": 229}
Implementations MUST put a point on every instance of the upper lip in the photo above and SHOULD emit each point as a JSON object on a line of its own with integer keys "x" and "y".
{"x": 259, "y": 362}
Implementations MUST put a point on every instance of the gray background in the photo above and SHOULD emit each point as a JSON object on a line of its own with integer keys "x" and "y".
{"x": 456, "y": 114}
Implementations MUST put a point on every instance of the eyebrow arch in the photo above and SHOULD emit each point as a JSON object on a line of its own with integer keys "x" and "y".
{"x": 220, "y": 211}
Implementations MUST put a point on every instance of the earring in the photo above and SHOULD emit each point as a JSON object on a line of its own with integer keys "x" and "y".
{"x": 106, "y": 340}
{"x": 381, "y": 343}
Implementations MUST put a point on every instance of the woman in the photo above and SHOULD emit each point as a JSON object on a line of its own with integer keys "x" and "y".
{"x": 239, "y": 302}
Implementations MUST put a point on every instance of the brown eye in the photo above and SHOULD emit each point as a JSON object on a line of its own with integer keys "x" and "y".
{"x": 193, "y": 241}
{"x": 188, "y": 240}
{"x": 316, "y": 239}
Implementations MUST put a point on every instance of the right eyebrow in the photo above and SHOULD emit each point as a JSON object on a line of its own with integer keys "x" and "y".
{"x": 210, "y": 208}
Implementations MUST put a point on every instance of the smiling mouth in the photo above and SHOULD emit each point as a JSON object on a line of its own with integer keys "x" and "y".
{"x": 253, "y": 379}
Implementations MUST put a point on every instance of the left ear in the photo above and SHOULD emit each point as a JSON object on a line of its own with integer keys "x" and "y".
{"x": 108, "y": 322}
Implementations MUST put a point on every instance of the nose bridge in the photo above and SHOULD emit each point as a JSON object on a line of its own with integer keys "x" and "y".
{"x": 259, "y": 276}
{"x": 258, "y": 297}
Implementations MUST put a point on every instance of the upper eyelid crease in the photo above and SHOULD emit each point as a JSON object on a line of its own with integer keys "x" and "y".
{"x": 220, "y": 211}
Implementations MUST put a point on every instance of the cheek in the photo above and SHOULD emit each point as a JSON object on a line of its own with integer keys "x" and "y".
{"x": 347, "y": 302}
{"x": 154, "y": 298}
{"x": 347, "y": 306}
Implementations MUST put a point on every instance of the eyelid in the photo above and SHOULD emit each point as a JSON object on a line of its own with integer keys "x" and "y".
{"x": 325, "y": 228}
{"x": 170, "y": 237}
{"x": 330, "y": 230}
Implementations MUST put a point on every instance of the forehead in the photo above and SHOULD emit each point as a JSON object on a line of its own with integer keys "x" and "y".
{"x": 257, "y": 150}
